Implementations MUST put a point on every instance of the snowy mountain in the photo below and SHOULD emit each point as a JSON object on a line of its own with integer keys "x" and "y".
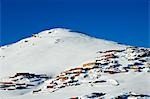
{"x": 60, "y": 64}
{"x": 56, "y": 49}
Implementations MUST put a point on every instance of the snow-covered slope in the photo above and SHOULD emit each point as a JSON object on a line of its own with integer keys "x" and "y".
{"x": 61, "y": 64}
{"x": 51, "y": 51}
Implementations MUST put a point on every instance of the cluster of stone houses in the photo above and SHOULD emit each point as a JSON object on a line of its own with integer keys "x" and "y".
{"x": 107, "y": 62}
{"x": 22, "y": 81}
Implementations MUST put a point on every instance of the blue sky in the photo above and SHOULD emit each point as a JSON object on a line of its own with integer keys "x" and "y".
{"x": 123, "y": 21}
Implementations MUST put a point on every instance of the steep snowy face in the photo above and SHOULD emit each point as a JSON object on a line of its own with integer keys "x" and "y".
{"x": 51, "y": 51}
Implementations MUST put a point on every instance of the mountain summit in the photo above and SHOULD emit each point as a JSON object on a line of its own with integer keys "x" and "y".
{"x": 56, "y": 49}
